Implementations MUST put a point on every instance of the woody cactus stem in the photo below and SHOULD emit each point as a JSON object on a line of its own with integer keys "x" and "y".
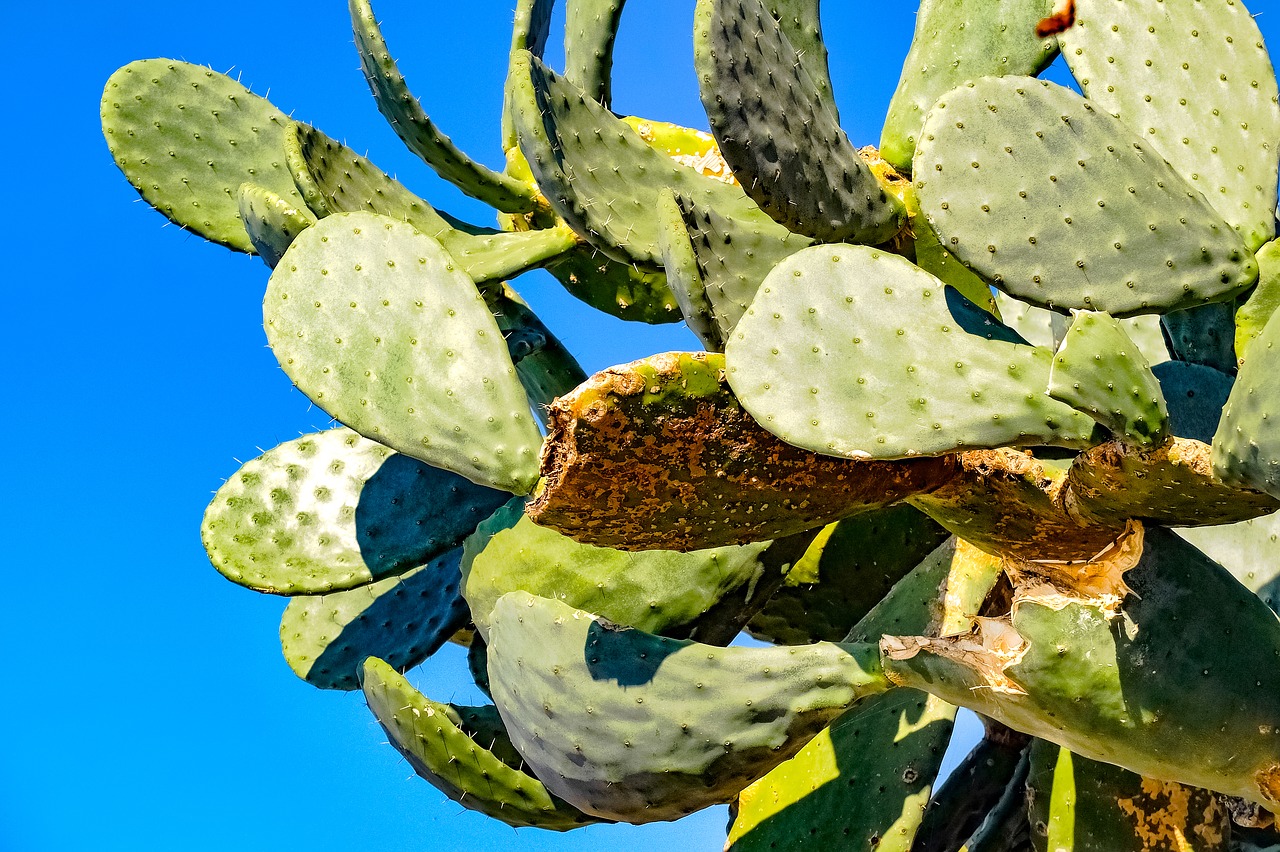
{"x": 919, "y": 495}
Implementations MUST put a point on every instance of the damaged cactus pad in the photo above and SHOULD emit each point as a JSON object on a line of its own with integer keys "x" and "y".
{"x": 979, "y": 421}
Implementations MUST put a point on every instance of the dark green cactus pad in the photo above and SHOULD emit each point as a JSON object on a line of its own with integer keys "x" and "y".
{"x": 618, "y": 289}
{"x": 658, "y": 453}
{"x": 186, "y": 137}
{"x": 531, "y": 30}
{"x": 956, "y": 41}
{"x": 802, "y": 26}
{"x": 1252, "y": 316}
{"x": 333, "y": 511}
{"x": 1193, "y": 79}
{"x": 734, "y": 255}
{"x": 920, "y": 368}
{"x": 1204, "y": 335}
{"x": 470, "y": 766}
{"x": 683, "y": 276}
{"x": 1005, "y": 827}
{"x": 1250, "y": 550}
{"x": 590, "y": 29}
{"x": 1126, "y": 674}
{"x": 627, "y": 725}
{"x": 652, "y": 590}
{"x": 478, "y": 665}
{"x": 405, "y": 115}
{"x": 1104, "y": 808}
{"x": 375, "y": 322}
{"x": 1062, "y": 206}
{"x": 850, "y": 566}
{"x": 970, "y": 802}
{"x": 780, "y": 132}
{"x": 545, "y": 367}
{"x": 597, "y": 173}
{"x": 271, "y": 221}
{"x": 1246, "y": 447}
{"x": 1100, "y": 371}
{"x": 864, "y": 782}
{"x": 403, "y": 620}
{"x": 1195, "y": 396}
{"x": 1172, "y": 484}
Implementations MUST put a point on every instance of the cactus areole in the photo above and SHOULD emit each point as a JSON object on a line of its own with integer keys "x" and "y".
{"x": 983, "y": 421}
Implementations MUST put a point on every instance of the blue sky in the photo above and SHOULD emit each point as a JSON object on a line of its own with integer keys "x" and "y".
{"x": 149, "y": 706}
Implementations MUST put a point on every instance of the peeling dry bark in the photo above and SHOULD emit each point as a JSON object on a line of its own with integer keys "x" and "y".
{"x": 658, "y": 454}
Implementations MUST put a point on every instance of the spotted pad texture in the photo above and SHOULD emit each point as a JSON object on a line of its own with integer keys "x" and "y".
{"x": 1193, "y": 80}
{"x": 377, "y": 325}
{"x": 1063, "y": 206}
{"x": 850, "y": 351}
{"x": 186, "y": 137}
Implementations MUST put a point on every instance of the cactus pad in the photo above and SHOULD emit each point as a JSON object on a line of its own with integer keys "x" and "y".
{"x": 921, "y": 369}
{"x": 332, "y": 511}
{"x": 466, "y": 765}
{"x": 626, "y": 725}
{"x": 1194, "y": 81}
{"x": 403, "y": 620}
{"x": 956, "y": 41}
{"x": 270, "y": 221}
{"x": 186, "y": 137}
{"x": 1062, "y": 206}
{"x": 376, "y": 324}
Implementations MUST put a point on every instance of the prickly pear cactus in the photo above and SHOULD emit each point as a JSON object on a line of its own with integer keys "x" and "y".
{"x": 984, "y": 422}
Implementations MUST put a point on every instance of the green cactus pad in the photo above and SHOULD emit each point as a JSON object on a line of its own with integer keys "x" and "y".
{"x": 1144, "y": 673}
{"x": 1100, "y": 371}
{"x": 658, "y": 453}
{"x": 956, "y": 41}
{"x": 1195, "y": 396}
{"x": 921, "y": 370}
{"x": 973, "y": 794}
{"x": 734, "y": 255}
{"x": 1047, "y": 328}
{"x": 374, "y": 322}
{"x": 530, "y": 32}
{"x": 864, "y": 782}
{"x": 186, "y": 137}
{"x": 618, "y": 289}
{"x": 850, "y": 566}
{"x": 802, "y": 26}
{"x": 1252, "y": 316}
{"x": 1108, "y": 809}
{"x": 332, "y": 511}
{"x": 652, "y": 590}
{"x": 1246, "y": 447}
{"x": 1249, "y": 550}
{"x": 779, "y": 131}
{"x": 627, "y": 725}
{"x": 1005, "y": 826}
{"x": 1172, "y": 484}
{"x": 942, "y": 264}
{"x": 420, "y": 134}
{"x": 403, "y": 620}
{"x": 591, "y": 27}
{"x": 1193, "y": 79}
{"x": 680, "y": 265}
{"x": 1204, "y": 335}
{"x": 1062, "y": 206}
{"x": 597, "y": 173}
{"x": 271, "y": 221}
{"x": 437, "y": 742}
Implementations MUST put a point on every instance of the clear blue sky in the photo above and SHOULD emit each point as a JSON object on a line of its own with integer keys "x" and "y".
{"x": 148, "y": 706}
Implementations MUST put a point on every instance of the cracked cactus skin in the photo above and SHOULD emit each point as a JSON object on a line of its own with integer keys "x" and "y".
{"x": 987, "y": 418}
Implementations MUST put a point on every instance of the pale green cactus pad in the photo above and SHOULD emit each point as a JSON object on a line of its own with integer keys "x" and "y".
{"x": 375, "y": 322}
{"x": 187, "y": 137}
{"x": 332, "y": 510}
{"x": 921, "y": 369}
{"x": 271, "y": 222}
{"x": 1063, "y": 206}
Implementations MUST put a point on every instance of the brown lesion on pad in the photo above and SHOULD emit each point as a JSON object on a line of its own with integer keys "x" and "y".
{"x": 659, "y": 454}
{"x": 1172, "y": 484}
